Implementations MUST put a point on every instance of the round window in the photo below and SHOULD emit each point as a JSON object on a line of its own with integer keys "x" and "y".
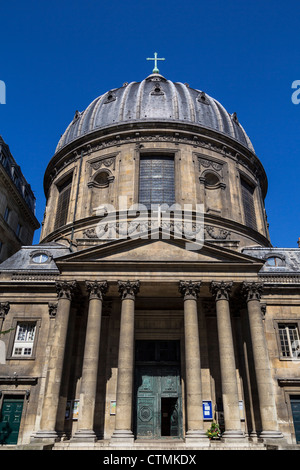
{"x": 211, "y": 179}
{"x": 40, "y": 258}
{"x": 102, "y": 178}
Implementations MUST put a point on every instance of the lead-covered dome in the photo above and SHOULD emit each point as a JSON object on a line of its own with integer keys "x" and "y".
{"x": 154, "y": 99}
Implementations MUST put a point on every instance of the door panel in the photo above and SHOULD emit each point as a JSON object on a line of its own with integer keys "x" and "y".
{"x": 10, "y": 419}
{"x": 295, "y": 405}
{"x": 158, "y": 402}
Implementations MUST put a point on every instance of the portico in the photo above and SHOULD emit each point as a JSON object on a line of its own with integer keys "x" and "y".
{"x": 184, "y": 302}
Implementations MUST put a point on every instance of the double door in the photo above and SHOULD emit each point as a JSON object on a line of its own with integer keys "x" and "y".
{"x": 158, "y": 402}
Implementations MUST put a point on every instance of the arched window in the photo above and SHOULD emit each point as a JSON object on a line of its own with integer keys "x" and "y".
{"x": 274, "y": 261}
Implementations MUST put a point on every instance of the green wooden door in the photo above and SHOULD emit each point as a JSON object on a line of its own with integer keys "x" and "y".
{"x": 158, "y": 402}
{"x": 295, "y": 404}
{"x": 10, "y": 419}
{"x": 157, "y": 391}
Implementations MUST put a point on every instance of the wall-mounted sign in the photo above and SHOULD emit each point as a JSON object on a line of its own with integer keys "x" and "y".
{"x": 207, "y": 409}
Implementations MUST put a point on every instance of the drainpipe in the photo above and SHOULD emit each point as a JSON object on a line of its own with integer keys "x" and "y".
{"x": 76, "y": 200}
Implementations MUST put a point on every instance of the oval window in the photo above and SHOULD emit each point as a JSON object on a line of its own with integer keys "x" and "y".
{"x": 101, "y": 178}
{"x": 211, "y": 179}
{"x": 40, "y": 258}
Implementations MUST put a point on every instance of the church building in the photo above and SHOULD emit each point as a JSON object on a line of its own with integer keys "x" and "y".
{"x": 154, "y": 306}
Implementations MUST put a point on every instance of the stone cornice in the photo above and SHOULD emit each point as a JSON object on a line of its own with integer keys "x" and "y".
{"x": 18, "y": 198}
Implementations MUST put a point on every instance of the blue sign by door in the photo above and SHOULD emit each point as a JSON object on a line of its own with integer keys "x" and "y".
{"x": 207, "y": 409}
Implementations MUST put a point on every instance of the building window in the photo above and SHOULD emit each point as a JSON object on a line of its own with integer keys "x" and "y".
{"x": 24, "y": 339}
{"x": 289, "y": 340}
{"x": 18, "y": 230}
{"x": 63, "y": 203}
{"x": 274, "y": 261}
{"x": 156, "y": 180}
{"x": 6, "y": 214}
{"x": 248, "y": 203}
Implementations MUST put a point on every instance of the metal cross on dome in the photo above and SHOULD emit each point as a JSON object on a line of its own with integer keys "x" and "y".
{"x": 155, "y": 58}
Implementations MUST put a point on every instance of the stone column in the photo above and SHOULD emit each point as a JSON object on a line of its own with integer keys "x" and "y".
{"x": 85, "y": 430}
{"x": 47, "y": 430}
{"x": 194, "y": 410}
{"x": 220, "y": 291}
{"x": 252, "y": 293}
{"x": 123, "y": 429}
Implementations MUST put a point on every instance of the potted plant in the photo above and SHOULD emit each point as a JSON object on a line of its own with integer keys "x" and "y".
{"x": 214, "y": 431}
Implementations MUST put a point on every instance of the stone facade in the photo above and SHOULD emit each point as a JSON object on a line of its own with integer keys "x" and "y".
{"x": 117, "y": 339}
{"x": 17, "y": 206}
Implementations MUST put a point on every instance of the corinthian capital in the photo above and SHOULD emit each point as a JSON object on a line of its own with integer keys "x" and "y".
{"x": 221, "y": 290}
{"x": 189, "y": 289}
{"x": 128, "y": 289}
{"x": 252, "y": 290}
{"x": 65, "y": 289}
{"x": 96, "y": 289}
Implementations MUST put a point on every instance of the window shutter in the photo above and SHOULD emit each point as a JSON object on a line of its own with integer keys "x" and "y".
{"x": 156, "y": 180}
{"x": 63, "y": 204}
{"x": 248, "y": 202}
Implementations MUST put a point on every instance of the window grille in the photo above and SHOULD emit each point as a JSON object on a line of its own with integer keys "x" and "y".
{"x": 248, "y": 203}
{"x": 289, "y": 340}
{"x": 156, "y": 180}
{"x": 63, "y": 203}
{"x": 24, "y": 339}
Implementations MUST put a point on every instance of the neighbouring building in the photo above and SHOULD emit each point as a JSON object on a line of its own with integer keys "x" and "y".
{"x": 146, "y": 325}
{"x": 17, "y": 206}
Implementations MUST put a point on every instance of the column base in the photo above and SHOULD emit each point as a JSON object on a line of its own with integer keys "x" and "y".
{"x": 84, "y": 435}
{"x": 233, "y": 436}
{"x": 196, "y": 437}
{"x": 271, "y": 435}
{"x": 45, "y": 436}
{"x": 122, "y": 437}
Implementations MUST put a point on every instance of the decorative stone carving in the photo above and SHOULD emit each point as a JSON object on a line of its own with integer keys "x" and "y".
{"x": 189, "y": 289}
{"x": 217, "y": 233}
{"x": 106, "y": 161}
{"x": 128, "y": 289}
{"x": 96, "y": 289}
{"x": 221, "y": 290}
{"x": 252, "y": 290}
{"x": 65, "y": 289}
{"x": 52, "y": 309}
{"x": 4, "y": 309}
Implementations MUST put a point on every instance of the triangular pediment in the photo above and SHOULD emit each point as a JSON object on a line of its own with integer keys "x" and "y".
{"x": 160, "y": 248}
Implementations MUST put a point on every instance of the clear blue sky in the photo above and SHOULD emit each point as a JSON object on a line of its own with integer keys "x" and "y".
{"x": 57, "y": 56}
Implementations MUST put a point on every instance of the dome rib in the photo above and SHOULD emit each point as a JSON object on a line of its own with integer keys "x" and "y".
{"x": 154, "y": 98}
